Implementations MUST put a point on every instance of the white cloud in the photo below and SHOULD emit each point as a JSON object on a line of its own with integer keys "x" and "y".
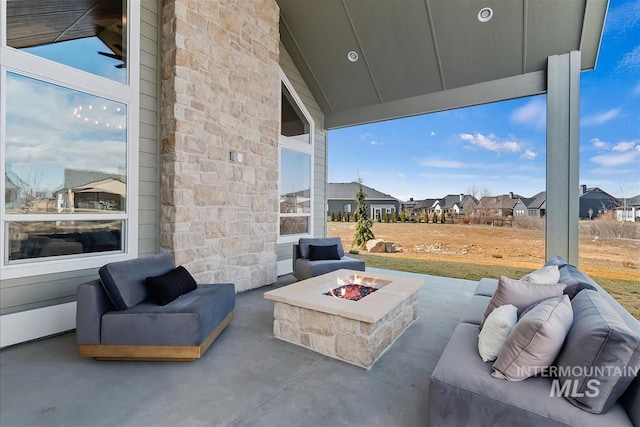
{"x": 533, "y": 114}
{"x": 624, "y": 17}
{"x": 600, "y": 144}
{"x": 529, "y": 155}
{"x": 630, "y": 59}
{"x": 47, "y": 131}
{"x": 365, "y": 136}
{"x": 433, "y": 162}
{"x": 373, "y": 142}
{"x": 490, "y": 142}
{"x": 400, "y": 175}
{"x": 612, "y": 159}
{"x": 624, "y": 146}
{"x": 601, "y": 118}
{"x": 434, "y": 134}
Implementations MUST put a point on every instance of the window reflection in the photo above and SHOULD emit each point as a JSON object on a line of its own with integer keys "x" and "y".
{"x": 65, "y": 150}
{"x": 295, "y": 185}
{"x": 57, "y": 238}
{"x": 294, "y": 225}
{"x": 87, "y": 35}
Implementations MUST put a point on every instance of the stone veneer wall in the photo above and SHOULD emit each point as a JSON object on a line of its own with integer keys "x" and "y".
{"x": 359, "y": 343}
{"x": 221, "y": 93}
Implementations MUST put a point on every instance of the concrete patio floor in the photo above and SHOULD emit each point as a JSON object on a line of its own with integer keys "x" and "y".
{"x": 246, "y": 378}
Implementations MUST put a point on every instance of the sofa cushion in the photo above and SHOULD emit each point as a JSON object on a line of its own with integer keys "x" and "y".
{"x": 475, "y": 309}
{"x": 124, "y": 281}
{"x": 462, "y": 392}
{"x": 320, "y": 253}
{"x": 168, "y": 286}
{"x": 535, "y": 341}
{"x": 305, "y": 268}
{"x": 600, "y": 354}
{"x": 547, "y": 275}
{"x": 319, "y": 241}
{"x": 496, "y": 329}
{"x": 188, "y": 320}
{"x": 521, "y": 294}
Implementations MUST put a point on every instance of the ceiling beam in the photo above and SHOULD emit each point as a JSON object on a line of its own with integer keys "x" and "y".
{"x": 482, "y": 93}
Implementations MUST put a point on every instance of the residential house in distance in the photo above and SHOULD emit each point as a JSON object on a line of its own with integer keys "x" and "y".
{"x": 421, "y": 207}
{"x": 455, "y": 204}
{"x": 451, "y": 204}
{"x": 537, "y": 205}
{"x": 498, "y": 206}
{"x": 628, "y": 209}
{"x": 341, "y": 197}
{"x": 595, "y": 202}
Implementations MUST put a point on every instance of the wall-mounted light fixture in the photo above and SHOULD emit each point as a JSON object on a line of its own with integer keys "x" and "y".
{"x": 234, "y": 156}
{"x": 485, "y": 14}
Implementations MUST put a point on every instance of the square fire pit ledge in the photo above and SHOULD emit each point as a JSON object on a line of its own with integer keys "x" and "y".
{"x": 357, "y": 332}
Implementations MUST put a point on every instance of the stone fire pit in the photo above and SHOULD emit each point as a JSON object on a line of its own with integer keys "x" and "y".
{"x": 357, "y": 332}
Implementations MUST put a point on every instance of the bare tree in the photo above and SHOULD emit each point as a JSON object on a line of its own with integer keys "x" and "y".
{"x": 484, "y": 204}
{"x": 30, "y": 182}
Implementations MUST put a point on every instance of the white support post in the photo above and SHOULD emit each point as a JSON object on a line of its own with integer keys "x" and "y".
{"x": 563, "y": 150}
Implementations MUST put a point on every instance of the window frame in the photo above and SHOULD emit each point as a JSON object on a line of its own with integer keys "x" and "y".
{"x": 297, "y": 146}
{"x": 32, "y": 66}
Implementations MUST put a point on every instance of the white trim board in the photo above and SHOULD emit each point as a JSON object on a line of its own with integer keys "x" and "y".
{"x": 32, "y": 324}
{"x": 285, "y": 266}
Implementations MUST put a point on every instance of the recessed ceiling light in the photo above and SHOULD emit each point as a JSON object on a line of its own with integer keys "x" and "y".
{"x": 485, "y": 14}
{"x": 352, "y": 56}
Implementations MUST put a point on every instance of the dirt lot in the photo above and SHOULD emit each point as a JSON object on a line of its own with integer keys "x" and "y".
{"x": 479, "y": 244}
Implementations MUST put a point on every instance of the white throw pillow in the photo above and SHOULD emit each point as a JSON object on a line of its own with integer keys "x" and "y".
{"x": 496, "y": 330}
{"x": 549, "y": 275}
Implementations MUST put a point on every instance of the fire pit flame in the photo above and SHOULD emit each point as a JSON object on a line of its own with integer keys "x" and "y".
{"x": 354, "y": 288}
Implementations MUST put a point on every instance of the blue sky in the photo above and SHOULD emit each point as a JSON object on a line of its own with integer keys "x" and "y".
{"x": 500, "y": 147}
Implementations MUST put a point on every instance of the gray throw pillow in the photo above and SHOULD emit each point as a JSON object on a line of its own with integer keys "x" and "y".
{"x": 547, "y": 275}
{"x": 535, "y": 341}
{"x": 521, "y": 294}
{"x": 600, "y": 354}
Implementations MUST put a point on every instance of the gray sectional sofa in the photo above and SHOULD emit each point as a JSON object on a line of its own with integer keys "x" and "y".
{"x": 116, "y": 320}
{"x": 304, "y": 266}
{"x": 462, "y": 392}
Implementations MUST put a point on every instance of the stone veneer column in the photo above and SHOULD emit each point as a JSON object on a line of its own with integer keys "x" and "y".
{"x": 220, "y": 93}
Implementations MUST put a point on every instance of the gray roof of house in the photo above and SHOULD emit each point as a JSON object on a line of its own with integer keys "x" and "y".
{"x": 631, "y": 201}
{"x": 78, "y": 177}
{"x": 348, "y": 190}
{"x": 503, "y": 201}
{"x": 536, "y": 201}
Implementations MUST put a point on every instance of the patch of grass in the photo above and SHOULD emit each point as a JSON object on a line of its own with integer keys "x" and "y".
{"x": 626, "y": 292}
{"x": 354, "y": 251}
{"x": 496, "y": 255}
{"x": 442, "y": 268}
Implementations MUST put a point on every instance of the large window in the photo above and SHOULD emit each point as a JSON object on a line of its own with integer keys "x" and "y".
{"x": 296, "y": 166}
{"x": 68, "y": 140}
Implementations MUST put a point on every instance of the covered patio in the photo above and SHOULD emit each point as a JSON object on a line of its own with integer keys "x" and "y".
{"x": 247, "y": 377}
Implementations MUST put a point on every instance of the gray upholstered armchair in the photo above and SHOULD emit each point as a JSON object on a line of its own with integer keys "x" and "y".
{"x": 120, "y": 317}
{"x": 316, "y": 256}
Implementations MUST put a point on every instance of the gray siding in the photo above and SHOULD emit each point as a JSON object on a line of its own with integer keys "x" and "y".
{"x": 320, "y": 153}
{"x": 27, "y": 293}
{"x": 149, "y": 172}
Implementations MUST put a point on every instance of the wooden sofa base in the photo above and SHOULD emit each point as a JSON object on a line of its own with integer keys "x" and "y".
{"x": 158, "y": 353}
